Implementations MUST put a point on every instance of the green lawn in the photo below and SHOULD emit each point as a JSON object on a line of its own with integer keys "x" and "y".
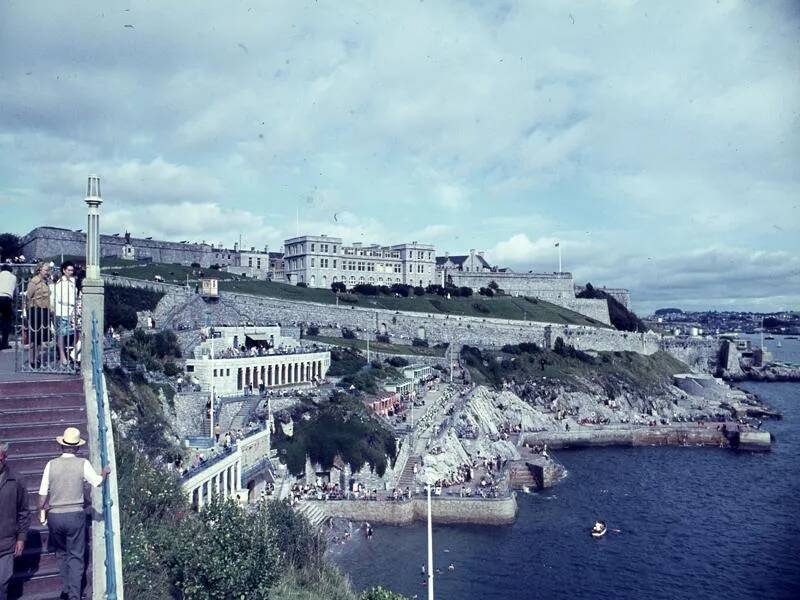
{"x": 377, "y": 346}
{"x": 498, "y": 307}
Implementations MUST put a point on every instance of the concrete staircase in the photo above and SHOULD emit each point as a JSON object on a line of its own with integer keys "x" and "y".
{"x": 407, "y": 478}
{"x": 312, "y": 511}
{"x": 32, "y": 413}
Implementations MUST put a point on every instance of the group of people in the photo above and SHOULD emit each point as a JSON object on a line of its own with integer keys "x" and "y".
{"x": 60, "y": 506}
{"x": 52, "y": 313}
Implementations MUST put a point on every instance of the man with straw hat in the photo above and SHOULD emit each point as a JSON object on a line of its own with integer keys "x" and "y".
{"x": 14, "y": 520}
{"x": 62, "y": 492}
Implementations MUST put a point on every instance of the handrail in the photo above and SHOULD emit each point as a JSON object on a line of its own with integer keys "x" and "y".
{"x": 97, "y": 382}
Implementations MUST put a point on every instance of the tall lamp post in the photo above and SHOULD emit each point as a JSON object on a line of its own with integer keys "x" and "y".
{"x": 92, "y": 291}
{"x": 558, "y": 245}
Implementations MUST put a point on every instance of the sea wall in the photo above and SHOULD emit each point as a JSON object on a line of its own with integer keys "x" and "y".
{"x": 701, "y": 354}
{"x": 639, "y": 436}
{"x": 477, "y": 511}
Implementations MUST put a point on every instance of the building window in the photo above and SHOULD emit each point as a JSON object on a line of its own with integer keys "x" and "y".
{"x": 190, "y": 368}
{"x": 334, "y": 249}
{"x": 227, "y": 372}
{"x": 312, "y": 247}
{"x": 250, "y": 261}
{"x": 312, "y": 261}
{"x": 258, "y": 266}
{"x": 334, "y": 263}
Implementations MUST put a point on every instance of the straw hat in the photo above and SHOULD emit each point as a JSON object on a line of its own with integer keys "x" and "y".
{"x": 71, "y": 437}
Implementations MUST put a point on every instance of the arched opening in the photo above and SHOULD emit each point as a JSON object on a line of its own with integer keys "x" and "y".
{"x": 239, "y": 379}
{"x": 383, "y": 330}
{"x": 421, "y": 332}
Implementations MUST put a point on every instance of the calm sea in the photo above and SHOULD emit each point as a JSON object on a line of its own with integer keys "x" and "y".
{"x": 694, "y": 523}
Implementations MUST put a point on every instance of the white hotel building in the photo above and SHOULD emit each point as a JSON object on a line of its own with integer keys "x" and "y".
{"x": 319, "y": 261}
{"x": 282, "y": 361}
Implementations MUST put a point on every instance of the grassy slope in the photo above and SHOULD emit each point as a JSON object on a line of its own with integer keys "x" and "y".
{"x": 613, "y": 370}
{"x": 378, "y": 346}
{"x": 502, "y": 307}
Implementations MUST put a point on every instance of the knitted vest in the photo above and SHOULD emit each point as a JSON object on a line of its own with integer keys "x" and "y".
{"x": 66, "y": 484}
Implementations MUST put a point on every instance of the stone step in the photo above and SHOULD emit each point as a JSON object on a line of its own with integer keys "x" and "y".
{"x": 46, "y": 386}
{"x": 43, "y": 430}
{"x": 55, "y": 401}
{"x": 23, "y": 416}
{"x": 36, "y": 462}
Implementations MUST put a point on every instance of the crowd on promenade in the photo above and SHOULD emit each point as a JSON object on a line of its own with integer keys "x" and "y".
{"x": 254, "y": 351}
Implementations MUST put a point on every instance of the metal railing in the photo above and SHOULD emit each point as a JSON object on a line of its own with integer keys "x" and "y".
{"x": 47, "y": 322}
{"x": 97, "y": 383}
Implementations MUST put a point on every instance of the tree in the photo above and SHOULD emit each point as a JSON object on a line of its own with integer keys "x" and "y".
{"x": 493, "y": 285}
{"x": 312, "y": 330}
{"x": 419, "y": 291}
{"x": 488, "y": 292}
{"x": 338, "y": 286}
{"x": 10, "y": 245}
{"x": 464, "y": 291}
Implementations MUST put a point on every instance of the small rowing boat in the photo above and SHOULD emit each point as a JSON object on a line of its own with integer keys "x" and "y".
{"x": 599, "y": 529}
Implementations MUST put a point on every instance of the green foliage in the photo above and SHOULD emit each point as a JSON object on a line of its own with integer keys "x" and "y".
{"x": 138, "y": 402}
{"x": 152, "y": 350}
{"x": 621, "y": 318}
{"x": 489, "y": 292}
{"x": 10, "y": 246}
{"x": 365, "y": 289}
{"x": 419, "y": 342}
{"x": 338, "y": 286}
{"x": 465, "y": 292}
{"x": 383, "y": 338}
{"x": 419, "y": 291}
{"x": 343, "y": 427}
{"x": 171, "y": 369}
{"x": 345, "y": 361}
{"x": 302, "y": 284}
{"x": 397, "y": 361}
{"x": 493, "y": 286}
{"x": 312, "y": 330}
{"x": 379, "y": 593}
{"x": 122, "y": 303}
{"x": 348, "y": 334}
{"x": 612, "y": 370}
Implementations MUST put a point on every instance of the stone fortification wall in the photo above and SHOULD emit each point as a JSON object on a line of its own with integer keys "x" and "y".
{"x": 52, "y": 241}
{"x": 700, "y": 354}
{"x": 473, "y": 331}
{"x": 557, "y": 288}
{"x": 190, "y": 407}
{"x": 477, "y": 511}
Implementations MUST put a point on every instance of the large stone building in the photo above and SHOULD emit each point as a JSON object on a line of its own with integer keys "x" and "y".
{"x": 319, "y": 261}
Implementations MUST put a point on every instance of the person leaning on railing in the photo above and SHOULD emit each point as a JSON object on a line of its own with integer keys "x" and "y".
{"x": 37, "y": 304}
{"x": 8, "y": 285}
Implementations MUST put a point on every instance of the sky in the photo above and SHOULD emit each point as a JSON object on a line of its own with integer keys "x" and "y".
{"x": 657, "y": 142}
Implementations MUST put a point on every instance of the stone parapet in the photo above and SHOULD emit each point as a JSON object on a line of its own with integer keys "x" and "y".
{"x": 634, "y": 436}
{"x": 475, "y": 511}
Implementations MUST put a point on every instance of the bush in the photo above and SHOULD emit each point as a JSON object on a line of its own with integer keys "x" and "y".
{"x": 348, "y": 334}
{"x": 419, "y": 343}
{"x": 384, "y": 289}
{"x": 383, "y": 338}
{"x": 302, "y": 284}
{"x": 348, "y": 299}
{"x": 171, "y": 369}
{"x": 215, "y": 267}
{"x": 493, "y": 286}
{"x": 419, "y": 291}
{"x": 621, "y": 318}
{"x": 401, "y": 289}
{"x": 465, "y": 292}
{"x": 195, "y": 265}
{"x": 121, "y": 305}
{"x": 365, "y": 289}
{"x": 312, "y": 330}
{"x": 338, "y": 286}
{"x": 489, "y": 292}
{"x": 435, "y": 288}
{"x": 397, "y": 361}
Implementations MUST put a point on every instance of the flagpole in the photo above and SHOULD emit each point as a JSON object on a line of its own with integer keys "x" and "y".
{"x": 558, "y": 245}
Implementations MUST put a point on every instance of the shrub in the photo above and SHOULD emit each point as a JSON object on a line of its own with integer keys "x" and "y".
{"x": 365, "y": 289}
{"x": 348, "y": 334}
{"x": 419, "y": 342}
{"x": 397, "y": 362}
{"x": 464, "y": 291}
{"x": 195, "y": 265}
{"x": 121, "y": 305}
{"x": 493, "y": 286}
{"x": 384, "y": 289}
{"x": 486, "y": 292}
{"x": 401, "y": 289}
{"x": 338, "y": 286}
{"x": 383, "y": 338}
{"x": 215, "y": 267}
{"x": 312, "y": 330}
{"x": 348, "y": 299}
{"x": 419, "y": 291}
{"x": 302, "y": 284}
{"x": 171, "y": 369}
{"x": 435, "y": 288}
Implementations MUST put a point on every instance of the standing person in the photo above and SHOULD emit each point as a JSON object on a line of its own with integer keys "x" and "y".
{"x": 65, "y": 302}
{"x": 14, "y": 520}
{"x": 37, "y": 303}
{"x": 8, "y": 285}
{"x": 61, "y": 493}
